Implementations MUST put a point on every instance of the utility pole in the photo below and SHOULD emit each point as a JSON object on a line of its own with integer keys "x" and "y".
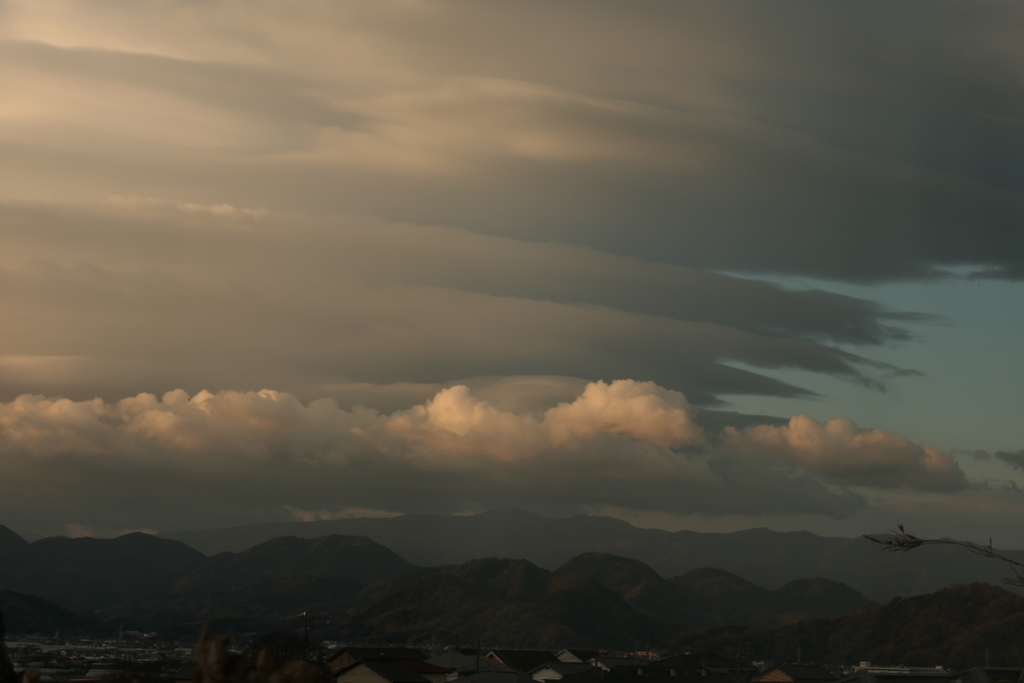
{"x": 833, "y": 653}
{"x": 306, "y": 618}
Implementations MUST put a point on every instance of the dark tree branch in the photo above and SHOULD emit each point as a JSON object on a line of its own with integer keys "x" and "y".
{"x": 901, "y": 542}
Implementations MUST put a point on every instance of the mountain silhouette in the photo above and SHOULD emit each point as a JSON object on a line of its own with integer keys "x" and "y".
{"x": 511, "y": 603}
{"x": 767, "y": 558}
{"x": 708, "y": 596}
{"x": 84, "y": 574}
{"x": 264, "y": 587}
{"x": 28, "y": 614}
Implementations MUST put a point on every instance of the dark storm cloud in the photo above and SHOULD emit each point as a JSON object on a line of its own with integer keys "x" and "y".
{"x": 1014, "y": 459}
{"x": 865, "y": 142}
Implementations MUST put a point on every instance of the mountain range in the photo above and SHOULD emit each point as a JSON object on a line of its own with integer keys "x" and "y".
{"x": 711, "y": 596}
{"x": 85, "y": 574}
{"x": 362, "y": 591}
{"x": 766, "y": 558}
{"x": 264, "y": 587}
{"x": 594, "y": 600}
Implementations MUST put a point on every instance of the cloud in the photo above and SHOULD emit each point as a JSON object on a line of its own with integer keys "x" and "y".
{"x": 78, "y": 531}
{"x": 378, "y": 203}
{"x": 625, "y": 444}
{"x": 256, "y": 425}
{"x": 1014, "y": 459}
{"x": 723, "y": 137}
{"x": 134, "y": 295}
{"x": 840, "y": 452}
{"x": 347, "y": 513}
{"x": 455, "y": 423}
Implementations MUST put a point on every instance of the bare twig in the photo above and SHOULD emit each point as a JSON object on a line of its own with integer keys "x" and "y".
{"x": 901, "y": 542}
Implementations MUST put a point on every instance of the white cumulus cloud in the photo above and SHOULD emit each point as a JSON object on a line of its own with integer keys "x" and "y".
{"x": 628, "y": 444}
{"x": 456, "y": 422}
{"x": 840, "y": 452}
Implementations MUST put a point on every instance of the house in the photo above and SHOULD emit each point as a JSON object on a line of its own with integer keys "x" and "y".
{"x": 431, "y": 672}
{"x": 627, "y": 674}
{"x": 694, "y": 662}
{"x": 375, "y": 670}
{"x": 577, "y": 656}
{"x": 188, "y": 675}
{"x": 987, "y": 674}
{"x": 609, "y": 663}
{"x": 901, "y": 674}
{"x": 465, "y": 662}
{"x": 711, "y": 668}
{"x": 348, "y": 656}
{"x": 556, "y": 671}
{"x": 496, "y": 677}
{"x": 523, "y": 661}
{"x": 797, "y": 673}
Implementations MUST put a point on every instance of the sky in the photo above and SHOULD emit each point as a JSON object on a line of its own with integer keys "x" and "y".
{"x": 703, "y": 265}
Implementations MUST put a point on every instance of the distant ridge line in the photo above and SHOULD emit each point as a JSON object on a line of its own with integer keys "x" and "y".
{"x": 769, "y": 559}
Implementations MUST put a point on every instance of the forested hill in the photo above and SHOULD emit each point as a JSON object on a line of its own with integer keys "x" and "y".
{"x": 29, "y": 614}
{"x": 86, "y": 575}
{"x": 953, "y": 627}
{"x": 711, "y": 596}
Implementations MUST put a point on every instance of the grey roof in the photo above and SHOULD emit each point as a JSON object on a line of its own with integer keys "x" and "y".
{"x": 424, "y": 667}
{"x": 565, "y": 668}
{"x": 525, "y": 660}
{"x": 582, "y": 655}
{"x": 612, "y": 662}
{"x": 463, "y": 662}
